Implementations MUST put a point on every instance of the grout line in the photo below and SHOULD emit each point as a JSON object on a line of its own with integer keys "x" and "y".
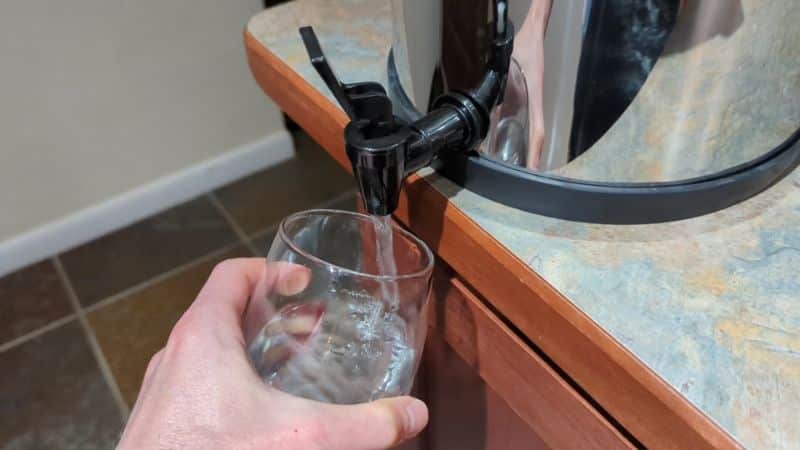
{"x": 324, "y": 205}
{"x": 113, "y": 298}
{"x": 36, "y": 333}
{"x": 265, "y": 231}
{"x": 158, "y": 278}
{"x": 236, "y": 228}
{"x": 105, "y": 369}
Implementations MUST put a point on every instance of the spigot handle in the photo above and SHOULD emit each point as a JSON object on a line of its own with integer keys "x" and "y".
{"x": 325, "y": 71}
{"x": 360, "y": 101}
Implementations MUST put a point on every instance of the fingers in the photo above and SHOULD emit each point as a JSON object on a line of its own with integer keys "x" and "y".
{"x": 290, "y": 279}
{"x": 377, "y": 425}
{"x": 224, "y": 297}
{"x": 281, "y": 277}
{"x": 229, "y": 286}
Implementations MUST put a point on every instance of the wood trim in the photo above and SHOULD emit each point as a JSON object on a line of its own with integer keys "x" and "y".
{"x": 650, "y": 409}
{"x": 536, "y": 392}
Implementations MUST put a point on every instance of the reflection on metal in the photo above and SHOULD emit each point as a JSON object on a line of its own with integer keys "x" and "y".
{"x": 508, "y": 133}
{"x": 620, "y": 91}
{"x": 562, "y": 47}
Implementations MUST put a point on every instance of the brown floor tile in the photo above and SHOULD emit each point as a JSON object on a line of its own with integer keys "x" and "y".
{"x": 262, "y": 241}
{"x": 31, "y": 298}
{"x": 53, "y": 395}
{"x": 262, "y": 200}
{"x": 132, "y": 329}
{"x": 141, "y": 251}
{"x": 348, "y": 203}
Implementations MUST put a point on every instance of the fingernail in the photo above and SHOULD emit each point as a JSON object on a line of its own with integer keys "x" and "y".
{"x": 295, "y": 282}
{"x": 416, "y": 417}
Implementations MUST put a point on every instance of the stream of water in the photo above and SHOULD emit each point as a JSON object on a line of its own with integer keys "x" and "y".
{"x": 347, "y": 347}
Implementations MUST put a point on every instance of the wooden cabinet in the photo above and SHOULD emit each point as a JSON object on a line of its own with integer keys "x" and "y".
{"x": 488, "y": 389}
{"x": 467, "y": 414}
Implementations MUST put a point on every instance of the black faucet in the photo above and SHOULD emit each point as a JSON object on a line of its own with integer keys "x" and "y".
{"x": 383, "y": 149}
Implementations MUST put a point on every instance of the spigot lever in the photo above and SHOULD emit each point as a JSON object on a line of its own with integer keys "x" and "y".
{"x": 382, "y": 149}
{"x": 360, "y": 101}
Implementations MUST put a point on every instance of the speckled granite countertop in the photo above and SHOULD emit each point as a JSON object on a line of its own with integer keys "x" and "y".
{"x": 711, "y": 304}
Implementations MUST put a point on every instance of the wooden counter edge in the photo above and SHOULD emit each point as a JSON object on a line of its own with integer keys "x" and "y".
{"x": 644, "y": 404}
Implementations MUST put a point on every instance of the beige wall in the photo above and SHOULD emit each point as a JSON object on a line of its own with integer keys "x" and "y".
{"x": 98, "y": 97}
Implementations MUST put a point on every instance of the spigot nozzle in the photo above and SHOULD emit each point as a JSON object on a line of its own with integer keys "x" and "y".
{"x": 378, "y": 163}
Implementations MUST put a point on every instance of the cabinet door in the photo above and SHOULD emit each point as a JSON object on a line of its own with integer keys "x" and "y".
{"x": 487, "y": 388}
{"x": 466, "y": 414}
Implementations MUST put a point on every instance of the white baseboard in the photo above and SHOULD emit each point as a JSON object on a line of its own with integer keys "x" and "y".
{"x": 134, "y": 205}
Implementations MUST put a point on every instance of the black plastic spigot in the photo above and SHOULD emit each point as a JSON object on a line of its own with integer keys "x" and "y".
{"x": 383, "y": 149}
{"x": 375, "y": 140}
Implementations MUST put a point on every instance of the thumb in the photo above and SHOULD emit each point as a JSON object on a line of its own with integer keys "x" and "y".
{"x": 377, "y": 425}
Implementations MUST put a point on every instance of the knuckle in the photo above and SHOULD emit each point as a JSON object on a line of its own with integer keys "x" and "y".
{"x": 225, "y": 267}
{"x": 151, "y": 365}
{"x": 184, "y": 335}
{"x": 155, "y": 359}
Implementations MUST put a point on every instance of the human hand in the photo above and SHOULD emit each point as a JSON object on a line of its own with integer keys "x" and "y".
{"x": 200, "y": 391}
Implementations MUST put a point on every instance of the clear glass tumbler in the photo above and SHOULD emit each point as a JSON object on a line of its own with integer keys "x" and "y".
{"x": 356, "y": 331}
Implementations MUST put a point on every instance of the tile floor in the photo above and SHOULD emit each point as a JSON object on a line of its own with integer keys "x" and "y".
{"x": 77, "y": 330}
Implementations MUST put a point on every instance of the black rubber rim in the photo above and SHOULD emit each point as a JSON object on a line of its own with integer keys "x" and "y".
{"x": 612, "y": 203}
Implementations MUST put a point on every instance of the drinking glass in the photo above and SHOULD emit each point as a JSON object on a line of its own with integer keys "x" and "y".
{"x": 356, "y": 331}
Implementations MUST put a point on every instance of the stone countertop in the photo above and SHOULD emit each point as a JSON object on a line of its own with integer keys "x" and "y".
{"x": 711, "y": 304}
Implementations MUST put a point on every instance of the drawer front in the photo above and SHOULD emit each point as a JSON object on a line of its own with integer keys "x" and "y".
{"x": 517, "y": 377}
{"x": 465, "y": 413}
